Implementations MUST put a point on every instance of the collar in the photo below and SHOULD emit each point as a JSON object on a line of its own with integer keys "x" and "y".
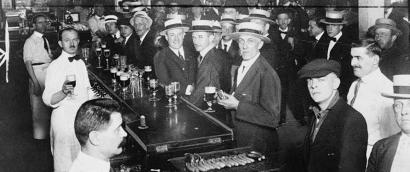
{"x": 143, "y": 36}
{"x": 406, "y": 19}
{"x": 266, "y": 35}
{"x": 332, "y": 102}
{"x": 338, "y": 36}
{"x": 317, "y": 37}
{"x": 285, "y": 30}
{"x": 176, "y": 51}
{"x": 249, "y": 62}
{"x": 66, "y": 55}
{"x": 93, "y": 161}
{"x": 38, "y": 34}
{"x": 206, "y": 50}
{"x": 372, "y": 76}
{"x": 128, "y": 37}
{"x": 226, "y": 42}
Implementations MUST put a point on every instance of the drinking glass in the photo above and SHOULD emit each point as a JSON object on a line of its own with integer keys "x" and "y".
{"x": 71, "y": 80}
{"x": 153, "y": 83}
{"x": 85, "y": 52}
{"x": 107, "y": 55}
{"x": 209, "y": 97}
{"x": 177, "y": 88}
{"x": 169, "y": 93}
{"x": 98, "y": 52}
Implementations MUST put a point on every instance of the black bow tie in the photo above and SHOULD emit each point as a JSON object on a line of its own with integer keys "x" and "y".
{"x": 74, "y": 58}
{"x": 283, "y": 32}
{"x": 333, "y": 39}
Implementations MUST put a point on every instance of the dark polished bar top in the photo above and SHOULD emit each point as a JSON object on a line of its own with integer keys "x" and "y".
{"x": 170, "y": 129}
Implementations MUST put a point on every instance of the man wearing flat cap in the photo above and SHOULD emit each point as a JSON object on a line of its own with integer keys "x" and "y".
{"x": 337, "y": 138}
{"x": 256, "y": 93}
{"x": 386, "y": 34}
{"x": 175, "y": 63}
{"x": 392, "y": 153}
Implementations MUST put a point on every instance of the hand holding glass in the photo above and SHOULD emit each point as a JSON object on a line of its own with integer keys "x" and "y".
{"x": 71, "y": 81}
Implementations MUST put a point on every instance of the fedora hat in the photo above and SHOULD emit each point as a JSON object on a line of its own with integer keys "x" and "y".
{"x": 401, "y": 87}
{"x": 385, "y": 23}
{"x": 227, "y": 18}
{"x": 202, "y": 26}
{"x": 142, "y": 14}
{"x": 176, "y": 16}
{"x": 131, "y": 7}
{"x": 249, "y": 28}
{"x": 174, "y": 24}
{"x": 216, "y": 26}
{"x": 259, "y": 14}
{"x": 334, "y": 17}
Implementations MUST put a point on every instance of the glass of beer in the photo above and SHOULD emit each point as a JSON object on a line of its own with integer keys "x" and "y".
{"x": 107, "y": 53}
{"x": 209, "y": 97}
{"x": 124, "y": 82}
{"x": 85, "y": 52}
{"x": 98, "y": 52}
{"x": 113, "y": 72}
{"x": 116, "y": 58}
{"x": 177, "y": 88}
{"x": 71, "y": 80}
{"x": 153, "y": 84}
{"x": 169, "y": 93}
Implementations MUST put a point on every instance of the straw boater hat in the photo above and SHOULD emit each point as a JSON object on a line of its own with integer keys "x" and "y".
{"x": 202, "y": 26}
{"x": 226, "y": 18}
{"x": 111, "y": 18}
{"x": 131, "y": 7}
{"x": 241, "y": 17}
{"x": 385, "y": 23}
{"x": 173, "y": 24}
{"x": 142, "y": 14}
{"x": 217, "y": 26}
{"x": 249, "y": 28}
{"x": 401, "y": 87}
{"x": 259, "y": 14}
{"x": 334, "y": 17}
{"x": 176, "y": 16}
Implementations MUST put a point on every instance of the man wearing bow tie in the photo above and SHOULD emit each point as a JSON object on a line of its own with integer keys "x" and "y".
{"x": 339, "y": 48}
{"x": 65, "y": 99}
{"x": 337, "y": 138}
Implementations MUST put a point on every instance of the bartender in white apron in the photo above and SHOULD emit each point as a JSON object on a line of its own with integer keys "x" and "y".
{"x": 36, "y": 57}
{"x": 65, "y": 97}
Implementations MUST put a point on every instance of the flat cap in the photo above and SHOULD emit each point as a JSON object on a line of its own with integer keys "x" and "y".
{"x": 318, "y": 68}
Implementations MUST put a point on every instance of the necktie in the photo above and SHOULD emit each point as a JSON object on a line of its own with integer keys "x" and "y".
{"x": 45, "y": 43}
{"x": 333, "y": 39}
{"x": 180, "y": 55}
{"x": 226, "y": 47}
{"x": 243, "y": 69}
{"x": 74, "y": 58}
{"x": 356, "y": 90}
{"x": 200, "y": 58}
{"x": 315, "y": 43}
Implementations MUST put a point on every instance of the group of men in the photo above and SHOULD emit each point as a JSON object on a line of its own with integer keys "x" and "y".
{"x": 255, "y": 66}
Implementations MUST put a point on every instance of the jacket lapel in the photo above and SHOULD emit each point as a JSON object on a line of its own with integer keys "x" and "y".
{"x": 175, "y": 58}
{"x": 391, "y": 149}
{"x": 248, "y": 76}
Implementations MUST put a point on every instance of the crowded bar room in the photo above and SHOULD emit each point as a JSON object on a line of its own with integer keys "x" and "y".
{"x": 204, "y": 85}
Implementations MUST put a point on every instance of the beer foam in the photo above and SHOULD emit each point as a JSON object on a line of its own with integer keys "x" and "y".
{"x": 210, "y": 89}
{"x": 147, "y": 68}
{"x": 119, "y": 73}
{"x": 114, "y": 70}
{"x": 124, "y": 77}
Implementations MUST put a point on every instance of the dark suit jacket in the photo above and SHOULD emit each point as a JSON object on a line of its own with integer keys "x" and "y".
{"x": 341, "y": 53}
{"x": 233, "y": 51}
{"x": 147, "y": 48}
{"x": 340, "y": 145}
{"x": 318, "y": 50}
{"x": 269, "y": 52}
{"x": 132, "y": 52}
{"x": 114, "y": 47}
{"x": 212, "y": 71}
{"x": 381, "y": 158}
{"x": 169, "y": 67}
{"x": 257, "y": 115}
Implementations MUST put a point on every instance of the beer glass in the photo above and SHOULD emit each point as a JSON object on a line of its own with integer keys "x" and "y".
{"x": 113, "y": 72}
{"x": 85, "y": 52}
{"x": 71, "y": 80}
{"x": 169, "y": 93}
{"x": 153, "y": 83}
{"x": 177, "y": 88}
{"x": 124, "y": 82}
{"x": 123, "y": 62}
{"x": 107, "y": 55}
{"x": 98, "y": 52}
{"x": 116, "y": 58}
{"x": 209, "y": 97}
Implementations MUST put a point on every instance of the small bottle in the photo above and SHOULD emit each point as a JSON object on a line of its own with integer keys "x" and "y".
{"x": 143, "y": 124}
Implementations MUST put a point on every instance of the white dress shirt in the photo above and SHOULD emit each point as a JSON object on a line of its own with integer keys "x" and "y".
{"x": 227, "y": 43}
{"x": 127, "y": 38}
{"x": 317, "y": 37}
{"x": 401, "y": 159}
{"x": 143, "y": 37}
{"x": 34, "y": 51}
{"x": 282, "y": 35}
{"x": 376, "y": 109}
{"x": 87, "y": 163}
{"x": 244, "y": 68}
{"x": 332, "y": 44}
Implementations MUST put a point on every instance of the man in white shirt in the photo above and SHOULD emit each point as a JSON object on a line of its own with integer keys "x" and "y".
{"x": 65, "y": 98}
{"x": 392, "y": 153}
{"x": 365, "y": 93}
{"x": 36, "y": 56}
{"x": 99, "y": 131}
